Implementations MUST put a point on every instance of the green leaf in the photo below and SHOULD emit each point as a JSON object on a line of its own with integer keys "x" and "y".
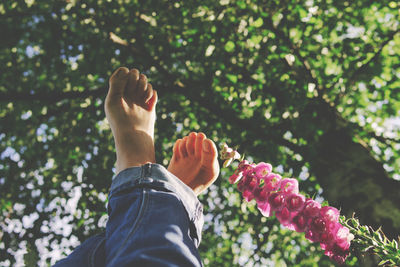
{"x": 382, "y": 262}
{"x": 231, "y": 77}
{"x": 395, "y": 244}
{"x": 258, "y": 23}
{"x": 229, "y": 46}
{"x": 256, "y": 39}
{"x": 241, "y": 4}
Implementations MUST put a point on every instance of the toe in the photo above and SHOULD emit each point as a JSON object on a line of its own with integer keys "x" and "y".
{"x": 118, "y": 81}
{"x": 175, "y": 150}
{"x": 118, "y": 74}
{"x": 132, "y": 84}
{"x": 182, "y": 147}
{"x": 142, "y": 86}
{"x": 190, "y": 145}
{"x": 209, "y": 154}
{"x": 148, "y": 94}
{"x": 151, "y": 103}
{"x": 199, "y": 144}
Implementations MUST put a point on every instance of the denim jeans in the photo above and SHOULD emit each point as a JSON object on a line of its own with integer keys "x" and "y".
{"x": 154, "y": 220}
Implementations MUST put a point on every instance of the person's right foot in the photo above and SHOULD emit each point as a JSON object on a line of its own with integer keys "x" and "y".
{"x": 194, "y": 161}
{"x": 130, "y": 110}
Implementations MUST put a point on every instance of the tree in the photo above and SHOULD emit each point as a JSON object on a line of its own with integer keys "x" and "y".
{"x": 310, "y": 86}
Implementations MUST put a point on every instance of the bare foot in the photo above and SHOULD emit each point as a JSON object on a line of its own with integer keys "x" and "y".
{"x": 130, "y": 110}
{"x": 195, "y": 161}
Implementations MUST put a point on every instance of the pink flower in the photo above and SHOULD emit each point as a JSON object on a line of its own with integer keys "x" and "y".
{"x": 311, "y": 208}
{"x": 243, "y": 164}
{"x": 249, "y": 188}
{"x": 265, "y": 209}
{"x": 312, "y": 236}
{"x": 261, "y": 195}
{"x": 248, "y": 195}
{"x": 245, "y": 167}
{"x": 262, "y": 169}
{"x": 284, "y": 216}
{"x": 317, "y": 226}
{"x": 343, "y": 237}
{"x": 330, "y": 214}
{"x": 341, "y": 258}
{"x": 235, "y": 177}
{"x": 276, "y": 200}
{"x": 337, "y": 253}
{"x": 243, "y": 183}
{"x": 295, "y": 202}
{"x": 328, "y": 237}
{"x": 272, "y": 181}
{"x": 299, "y": 223}
{"x": 290, "y": 185}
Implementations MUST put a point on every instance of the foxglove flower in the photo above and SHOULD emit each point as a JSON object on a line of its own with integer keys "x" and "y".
{"x": 300, "y": 223}
{"x": 277, "y": 201}
{"x": 311, "y": 208}
{"x": 290, "y": 185}
{"x": 281, "y": 196}
{"x": 295, "y": 202}
{"x": 262, "y": 169}
{"x": 330, "y": 214}
{"x": 272, "y": 181}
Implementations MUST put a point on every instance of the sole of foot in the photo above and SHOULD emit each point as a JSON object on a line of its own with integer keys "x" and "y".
{"x": 195, "y": 161}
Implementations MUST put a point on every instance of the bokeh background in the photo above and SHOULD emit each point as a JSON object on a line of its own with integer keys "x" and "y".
{"x": 310, "y": 86}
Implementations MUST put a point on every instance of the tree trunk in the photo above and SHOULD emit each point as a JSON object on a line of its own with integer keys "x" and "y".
{"x": 352, "y": 179}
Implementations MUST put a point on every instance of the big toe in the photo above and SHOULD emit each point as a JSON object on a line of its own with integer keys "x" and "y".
{"x": 118, "y": 81}
{"x": 210, "y": 155}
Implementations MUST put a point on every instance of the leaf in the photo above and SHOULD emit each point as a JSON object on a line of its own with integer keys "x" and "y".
{"x": 382, "y": 262}
{"x": 258, "y": 22}
{"x": 231, "y": 77}
{"x": 229, "y": 46}
{"x": 395, "y": 244}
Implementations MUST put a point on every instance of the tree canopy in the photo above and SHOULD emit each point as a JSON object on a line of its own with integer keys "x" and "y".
{"x": 310, "y": 86}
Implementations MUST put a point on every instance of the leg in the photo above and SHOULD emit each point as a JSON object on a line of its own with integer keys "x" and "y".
{"x": 154, "y": 218}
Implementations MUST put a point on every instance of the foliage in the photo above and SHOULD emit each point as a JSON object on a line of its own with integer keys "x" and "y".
{"x": 367, "y": 239}
{"x": 310, "y": 86}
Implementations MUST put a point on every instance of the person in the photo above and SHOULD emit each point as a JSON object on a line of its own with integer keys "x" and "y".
{"x": 155, "y": 218}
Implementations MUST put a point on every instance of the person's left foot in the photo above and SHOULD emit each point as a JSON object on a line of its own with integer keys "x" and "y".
{"x": 130, "y": 110}
{"x": 194, "y": 161}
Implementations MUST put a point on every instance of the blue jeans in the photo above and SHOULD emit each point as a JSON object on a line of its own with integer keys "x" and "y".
{"x": 154, "y": 220}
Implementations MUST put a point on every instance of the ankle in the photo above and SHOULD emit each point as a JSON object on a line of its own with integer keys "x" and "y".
{"x": 133, "y": 148}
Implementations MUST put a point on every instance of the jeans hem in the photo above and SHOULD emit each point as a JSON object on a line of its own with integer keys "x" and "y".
{"x": 157, "y": 177}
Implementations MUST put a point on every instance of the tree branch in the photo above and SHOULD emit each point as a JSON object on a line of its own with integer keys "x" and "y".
{"x": 296, "y": 51}
{"x": 362, "y": 68}
{"x": 50, "y": 96}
